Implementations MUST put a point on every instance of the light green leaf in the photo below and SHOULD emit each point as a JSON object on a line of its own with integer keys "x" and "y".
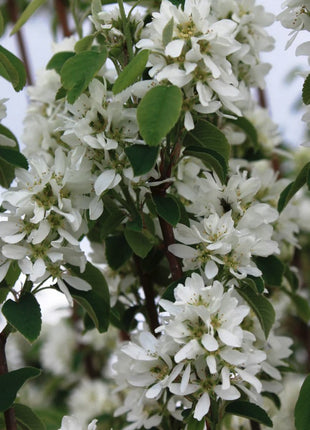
{"x": 84, "y": 44}
{"x": 302, "y": 410}
{"x": 58, "y": 60}
{"x": 11, "y": 382}
{"x": 211, "y": 159}
{"x": 293, "y": 187}
{"x": 12, "y": 69}
{"x": 261, "y": 306}
{"x": 117, "y": 251}
{"x": 168, "y": 32}
{"x": 24, "y": 315}
{"x": 27, "y": 13}
{"x": 272, "y": 269}
{"x": 96, "y": 302}
{"x": 131, "y": 72}
{"x": 1, "y": 24}
{"x": 209, "y": 137}
{"x": 75, "y": 77}
{"x": 167, "y": 208}
{"x": 27, "y": 418}
{"x": 142, "y": 158}
{"x": 158, "y": 112}
{"x": 250, "y": 411}
{"x": 306, "y": 91}
{"x": 138, "y": 242}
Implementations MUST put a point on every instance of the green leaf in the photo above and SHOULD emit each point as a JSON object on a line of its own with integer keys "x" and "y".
{"x": 26, "y": 417}
{"x": 24, "y": 315}
{"x": 167, "y": 208}
{"x": 158, "y": 112}
{"x": 293, "y": 187}
{"x": 273, "y": 397}
{"x": 292, "y": 278}
{"x": 131, "y": 72}
{"x": 13, "y": 157}
{"x": 75, "y": 77}
{"x": 211, "y": 159}
{"x": 306, "y": 91}
{"x": 11, "y": 382}
{"x": 302, "y": 306}
{"x": 95, "y": 302}
{"x": 261, "y": 306}
{"x": 117, "y": 251}
{"x": 302, "y": 410}
{"x": 272, "y": 269}
{"x": 27, "y": 13}
{"x": 58, "y": 60}
{"x": 84, "y": 44}
{"x": 209, "y": 137}
{"x": 168, "y": 32}
{"x": 142, "y": 158}
{"x": 7, "y": 133}
{"x": 138, "y": 242}
{"x": 169, "y": 292}
{"x": 12, "y": 69}
{"x": 248, "y": 128}
{"x": 259, "y": 283}
{"x": 250, "y": 411}
{"x": 193, "y": 424}
{"x": 1, "y": 24}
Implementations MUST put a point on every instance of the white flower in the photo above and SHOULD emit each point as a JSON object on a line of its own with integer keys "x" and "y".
{"x": 72, "y": 423}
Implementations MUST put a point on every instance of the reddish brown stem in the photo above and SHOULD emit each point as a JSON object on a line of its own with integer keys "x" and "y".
{"x": 262, "y": 99}
{"x": 62, "y": 17}
{"x": 148, "y": 290}
{"x": 255, "y": 425}
{"x": 9, "y": 414}
{"x": 12, "y": 10}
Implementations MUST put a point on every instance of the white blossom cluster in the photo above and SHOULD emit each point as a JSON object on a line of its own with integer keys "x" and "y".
{"x": 204, "y": 352}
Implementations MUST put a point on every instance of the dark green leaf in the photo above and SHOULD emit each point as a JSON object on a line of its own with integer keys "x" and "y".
{"x": 131, "y": 72}
{"x": 135, "y": 224}
{"x": 169, "y": 292}
{"x": 61, "y": 93}
{"x": 7, "y": 133}
{"x": 13, "y": 157}
{"x": 209, "y": 137}
{"x": 250, "y": 411}
{"x": 11, "y": 382}
{"x": 302, "y": 306}
{"x": 306, "y": 91}
{"x": 273, "y": 397}
{"x": 259, "y": 283}
{"x": 75, "y": 77}
{"x": 24, "y": 315}
{"x": 248, "y": 128}
{"x": 292, "y": 278}
{"x": 302, "y": 410}
{"x": 168, "y": 32}
{"x": 158, "y": 112}
{"x": 193, "y": 424}
{"x": 261, "y": 306}
{"x": 58, "y": 60}
{"x": 177, "y": 2}
{"x": 142, "y": 158}
{"x": 293, "y": 187}
{"x": 95, "y": 302}
{"x": 27, "y": 13}
{"x": 7, "y": 174}
{"x": 4, "y": 291}
{"x": 211, "y": 159}
{"x": 272, "y": 269}
{"x": 1, "y": 24}
{"x": 167, "y": 208}
{"x": 84, "y": 44}
{"x": 26, "y": 417}
{"x": 138, "y": 242}
{"x": 117, "y": 251}
{"x": 12, "y": 69}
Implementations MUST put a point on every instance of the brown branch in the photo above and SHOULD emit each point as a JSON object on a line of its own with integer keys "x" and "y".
{"x": 255, "y": 425}
{"x": 147, "y": 285}
{"x": 262, "y": 98}
{"x": 174, "y": 262}
{"x": 13, "y": 14}
{"x": 9, "y": 414}
{"x": 62, "y": 17}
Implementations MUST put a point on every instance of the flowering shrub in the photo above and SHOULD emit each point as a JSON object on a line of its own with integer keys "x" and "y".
{"x": 145, "y": 141}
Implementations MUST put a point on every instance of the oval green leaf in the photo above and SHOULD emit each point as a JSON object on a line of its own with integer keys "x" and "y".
{"x": 11, "y": 382}
{"x": 250, "y": 411}
{"x": 27, "y": 418}
{"x": 58, "y": 60}
{"x": 131, "y": 72}
{"x": 24, "y": 315}
{"x": 167, "y": 208}
{"x": 12, "y": 69}
{"x": 27, "y": 13}
{"x": 158, "y": 112}
{"x": 211, "y": 159}
{"x": 302, "y": 410}
{"x": 138, "y": 242}
{"x": 306, "y": 91}
{"x": 142, "y": 158}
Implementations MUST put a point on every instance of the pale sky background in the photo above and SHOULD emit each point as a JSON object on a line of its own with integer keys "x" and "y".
{"x": 280, "y": 97}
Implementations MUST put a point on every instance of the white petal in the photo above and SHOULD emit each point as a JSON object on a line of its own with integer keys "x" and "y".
{"x": 64, "y": 289}
{"x": 209, "y": 342}
{"x": 174, "y": 48}
{"x": 39, "y": 235}
{"x": 104, "y": 181}
{"x": 182, "y": 251}
{"x": 15, "y": 252}
{"x": 77, "y": 283}
{"x": 95, "y": 208}
{"x": 230, "y": 394}
{"x": 14, "y": 238}
{"x": 4, "y": 269}
{"x": 154, "y": 391}
{"x": 202, "y": 407}
{"x": 211, "y": 362}
{"x": 68, "y": 236}
{"x": 185, "y": 378}
{"x": 211, "y": 269}
{"x": 229, "y": 338}
{"x": 188, "y": 121}
{"x": 225, "y": 378}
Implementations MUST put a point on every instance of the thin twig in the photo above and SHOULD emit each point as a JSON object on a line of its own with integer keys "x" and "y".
{"x": 62, "y": 17}
{"x": 12, "y": 10}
